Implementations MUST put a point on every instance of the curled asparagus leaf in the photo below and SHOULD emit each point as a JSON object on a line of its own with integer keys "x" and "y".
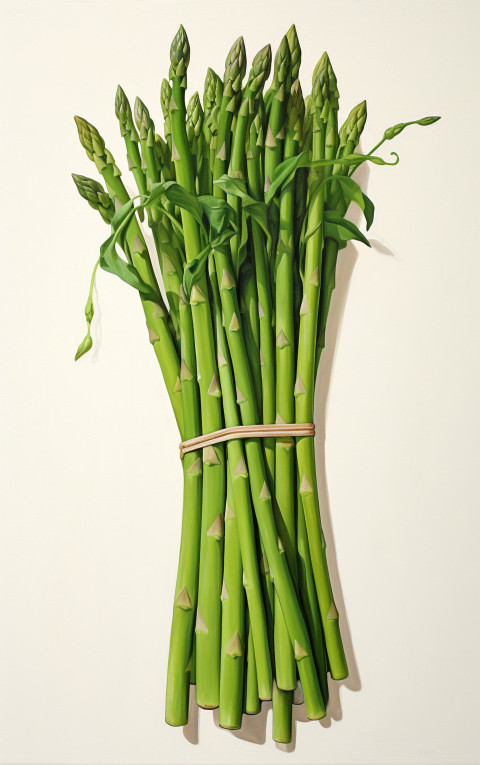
{"x": 87, "y": 342}
{"x": 395, "y": 130}
{"x": 286, "y": 170}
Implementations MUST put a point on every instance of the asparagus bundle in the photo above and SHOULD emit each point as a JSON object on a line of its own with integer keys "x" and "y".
{"x": 246, "y": 198}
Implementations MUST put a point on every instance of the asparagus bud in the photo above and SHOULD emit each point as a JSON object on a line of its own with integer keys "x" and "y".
{"x": 194, "y": 121}
{"x": 392, "y": 132}
{"x": 165, "y": 96}
{"x": 164, "y": 160}
{"x": 235, "y": 67}
{"x": 296, "y": 112}
{"x": 144, "y": 122}
{"x": 212, "y": 98}
{"x": 349, "y": 133}
{"x": 180, "y": 56}
{"x": 96, "y": 196}
{"x": 161, "y": 150}
{"x": 124, "y": 115}
{"x": 295, "y": 51}
{"x": 260, "y": 70}
{"x": 94, "y": 145}
{"x": 329, "y": 82}
{"x": 283, "y": 66}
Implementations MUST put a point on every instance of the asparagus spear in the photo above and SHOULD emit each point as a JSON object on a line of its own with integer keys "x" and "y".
{"x": 285, "y": 483}
{"x": 208, "y": 629}
{"x": 95, "y": 195}
{"x": 186, "y": 589}
{"x": 349, "y": 136}
{"x": 165, "y": 98}
{"x": 323, "y": 101}
{"x": 131, "y": 138}
{"x": 260, "y": 657}
{"x": 212, "y": 99}
{"x": 235, "y": 66}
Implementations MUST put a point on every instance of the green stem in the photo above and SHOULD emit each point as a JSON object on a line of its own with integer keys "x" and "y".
{"x": 282, "y": 715}
{"x": 304, "y": 411}
{"x": 186, "y": 591}
{"x": 233, "y": 622}
{"x": 208, "y": 629}
{"x": 243, "y": 509}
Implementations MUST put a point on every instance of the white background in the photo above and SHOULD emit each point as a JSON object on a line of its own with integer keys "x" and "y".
{"x": 90, "y": 478}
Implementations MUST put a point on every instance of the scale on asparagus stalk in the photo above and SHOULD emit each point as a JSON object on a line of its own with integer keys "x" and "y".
{"x": 246, "y": 199}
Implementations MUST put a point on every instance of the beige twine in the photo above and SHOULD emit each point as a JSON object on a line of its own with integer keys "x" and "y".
{"x": 247, "y": 431}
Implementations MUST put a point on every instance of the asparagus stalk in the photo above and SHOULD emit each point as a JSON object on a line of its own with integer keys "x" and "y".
{"x": 208, "y": 629}
{"x": 212, "y": 99}
{"x": 252, "y": 704}
{"x": 349, "y": 136}
{"x": 323, "y": 101}
{"x": 233, "y": 622}
{"x": 186, "y": 590}
{"x": 146, "y": 128}
{"x": 242, "y": 508}
{"x": 131, "y": 138}
{"x": 250, "y": 320}
{"x": 165, "y": 98}
{"x": 285, "y": 488}
{"x": 235, "y": 66}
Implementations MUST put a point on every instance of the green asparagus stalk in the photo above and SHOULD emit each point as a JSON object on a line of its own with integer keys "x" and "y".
{"x": 235, "y": 66}
{"x": 252, "y": 703}
{"x": 95, "y": 195}
{"x": 323, "y": 101}
{"x": 242, "y": 504}
{"x": 146, "y": 129}
{"x": 131, "y": 138}
{"x": 285, "y": 485}
{"x": 186, "y": 590}
{"x": 250, "y": 320}
{"x": 255, "y": 171}
{"x": 194, "y": 127}
{"x": 165, "y": 98}
{"x": 212, "y": 99}
{"x": 308, "y": 597}
{"x": 233, "y": 622}
{"x": 258, "y": 74}
{"x": 349, "y": 136}
{"x": 208, "y": 629}
{"x": 282, "y": 78}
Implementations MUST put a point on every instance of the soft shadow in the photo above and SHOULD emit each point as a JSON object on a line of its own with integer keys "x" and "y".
{"x": 190, "y": 730}
{"x": 381, "y": 247}
{"x": 254, "y": 727}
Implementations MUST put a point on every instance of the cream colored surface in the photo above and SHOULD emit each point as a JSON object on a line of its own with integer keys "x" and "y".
{"x": 90, "y": 483}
